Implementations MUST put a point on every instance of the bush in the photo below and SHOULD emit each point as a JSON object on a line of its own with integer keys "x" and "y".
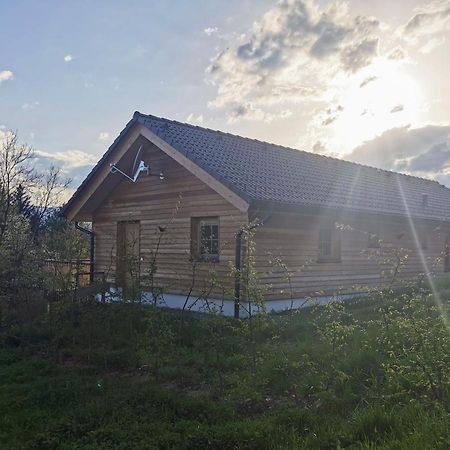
{"x": 332, "y": 377}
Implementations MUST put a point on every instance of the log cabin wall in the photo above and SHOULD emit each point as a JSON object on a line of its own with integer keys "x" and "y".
{"x": 290, "y": 239}
{"x": 168, "y": 203}
{"x": 287, "y": 250}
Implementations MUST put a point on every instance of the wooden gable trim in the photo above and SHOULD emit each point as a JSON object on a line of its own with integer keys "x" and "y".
{"x": 237, "y": 201}
{"x": 103, "y": 170}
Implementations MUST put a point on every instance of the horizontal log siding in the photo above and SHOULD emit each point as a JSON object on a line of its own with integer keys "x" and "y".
{"x": 295, "y": 243}
{"x": 170, "y": 203}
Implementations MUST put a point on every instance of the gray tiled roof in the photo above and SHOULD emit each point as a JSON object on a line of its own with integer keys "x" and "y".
{"x": 263, "y": 172}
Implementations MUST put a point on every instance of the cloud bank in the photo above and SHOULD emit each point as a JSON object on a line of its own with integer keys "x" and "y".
{"x": 290, "y": 55}
{"x": 430, "y": 19}
{"x": 421, "y": 151}
{"x": 74, "y": 164}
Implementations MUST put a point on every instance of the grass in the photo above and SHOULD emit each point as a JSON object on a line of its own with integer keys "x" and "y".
{"x": 357, "y": 375}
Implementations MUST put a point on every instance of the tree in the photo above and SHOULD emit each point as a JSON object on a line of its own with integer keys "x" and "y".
{"x": 26, "y": 197}
{"x": 23, "y": 203}
{"x": 24, "y": 190}
{"x": 61, "y": 240}
{"x": 15, "y": 171}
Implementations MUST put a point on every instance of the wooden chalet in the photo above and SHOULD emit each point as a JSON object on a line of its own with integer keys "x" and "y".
{"x": 175, "y": 199}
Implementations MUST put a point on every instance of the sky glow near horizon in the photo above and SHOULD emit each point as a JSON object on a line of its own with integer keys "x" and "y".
{"x": 365, "y": 81}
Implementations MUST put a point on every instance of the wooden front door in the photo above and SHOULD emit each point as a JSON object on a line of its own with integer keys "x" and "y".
{"x": 128, "y": 256}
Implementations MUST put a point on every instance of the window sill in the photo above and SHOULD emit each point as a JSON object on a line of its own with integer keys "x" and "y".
{"x": 329, "y": 259}
{"x": 206, "y": 259}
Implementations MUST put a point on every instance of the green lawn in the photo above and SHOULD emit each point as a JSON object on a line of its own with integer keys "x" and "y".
{"x": 367, "y": 374}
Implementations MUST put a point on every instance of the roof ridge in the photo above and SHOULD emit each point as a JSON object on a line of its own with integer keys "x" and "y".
{"x": 138, "y": 114}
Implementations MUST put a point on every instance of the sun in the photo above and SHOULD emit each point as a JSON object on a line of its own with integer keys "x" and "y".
{"x": 381, "y": 97}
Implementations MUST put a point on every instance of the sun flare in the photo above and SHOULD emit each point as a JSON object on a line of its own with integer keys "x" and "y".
{"x": 382, "y": 97}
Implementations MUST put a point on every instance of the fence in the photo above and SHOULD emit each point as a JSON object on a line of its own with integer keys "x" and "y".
{"x": 77, "y": 271}
{"x": 74, "y": 280}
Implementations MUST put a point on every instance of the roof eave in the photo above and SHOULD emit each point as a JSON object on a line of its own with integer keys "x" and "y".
{"x": 308, "y": 208}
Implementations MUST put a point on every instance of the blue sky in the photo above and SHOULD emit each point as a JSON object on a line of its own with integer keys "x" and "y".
{"x": 126, "y": 56}
{"x": 367, "y": 81}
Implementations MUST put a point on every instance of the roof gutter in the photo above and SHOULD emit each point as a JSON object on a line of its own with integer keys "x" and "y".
{"x": 308, "y": 208}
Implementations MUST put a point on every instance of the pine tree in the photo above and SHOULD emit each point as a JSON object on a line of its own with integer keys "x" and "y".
{"x": 24, "y": 207}
{"x": 22, "y": 203}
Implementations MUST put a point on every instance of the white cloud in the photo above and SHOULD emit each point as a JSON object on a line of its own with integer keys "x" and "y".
{"x": 68, "y": 58}
{"x": 195, "y": 119}
{"x": 397, "y": 54}
{"x": 397, "y": 108}
{"x": 330, "y": 115}
{"x": 429, "y": 19}
{"x": 392, "y": 98}
{"x": 426, "y": 28}
{"x": 250, "y": 112}
{"x": 103, "y": 136}
{"x": 6, "y": 75}
{"x": 210, "y": 31}
{"x": 30, "y": 106}
{"x": 421, "y": 151}
{"x": 292, "y": 54}
{"x": 74, "y": 164}
{"x": 431, "y": 44}
{"x": 68, "y": 159}
{"x": 367, "y": 80}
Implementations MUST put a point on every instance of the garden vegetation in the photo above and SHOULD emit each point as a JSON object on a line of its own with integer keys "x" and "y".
{"x": 77, "y": 373}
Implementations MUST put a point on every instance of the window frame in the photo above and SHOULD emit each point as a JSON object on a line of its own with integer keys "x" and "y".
{"x": 334, "y": 255}
{"x": 196, "y": 238}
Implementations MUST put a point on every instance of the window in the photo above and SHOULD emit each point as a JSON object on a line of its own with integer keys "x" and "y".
{"x": 325, "y": 243}
{"x": 329, "y": 245}
{"x": 205, "y": 238}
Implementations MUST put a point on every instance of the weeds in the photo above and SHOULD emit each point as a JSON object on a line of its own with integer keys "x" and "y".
{"x": 324, "y": 377}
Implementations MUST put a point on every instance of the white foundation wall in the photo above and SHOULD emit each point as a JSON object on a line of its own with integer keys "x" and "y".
{"x": 226, "y": 306}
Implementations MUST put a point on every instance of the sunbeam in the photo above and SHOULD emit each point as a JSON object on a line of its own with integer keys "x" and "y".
{"x": 436, "y": 295}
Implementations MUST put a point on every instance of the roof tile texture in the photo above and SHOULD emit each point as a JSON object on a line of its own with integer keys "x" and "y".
{"x": 260, "y": 171}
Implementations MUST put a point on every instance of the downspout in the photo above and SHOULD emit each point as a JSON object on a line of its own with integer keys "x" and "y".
{"x": 238, "y": 262}
{"x": 91, "y": 235}
{"x": 237, "y": 274}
